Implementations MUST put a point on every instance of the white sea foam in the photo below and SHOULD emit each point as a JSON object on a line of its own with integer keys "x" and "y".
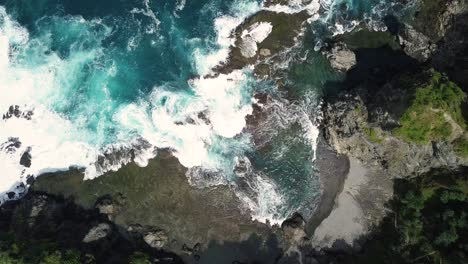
{"x": 206, "y": 60}
{"x": 256, "y": 33}
{"x": 202, "y": 127}
{"x": 180, "y": 5}
{"x": 47, "y": 134}
{"x": 295, "y": 6}
{"x": 264, "y": 200}
{"x": 147, "y": 11}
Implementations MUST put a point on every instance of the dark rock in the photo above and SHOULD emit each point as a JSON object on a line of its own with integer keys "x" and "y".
{"x": 11, "y": 145}
{"x": 416, "y": 44}
{"x": 294, "y": 229}
{"x": 26, "y": 158}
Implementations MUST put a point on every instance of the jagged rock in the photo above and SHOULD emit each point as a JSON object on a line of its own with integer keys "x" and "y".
{"x": 156, "y": 239}
{"x": 109, "y": 205}
{"x": 347, "y": 120}
{"x": 26, "y": 158}
{"x": 341, "y": 58}
{"x": 98, "y": 232}
{"x": 294, "y": 229}
{"x": 416, "y": 44}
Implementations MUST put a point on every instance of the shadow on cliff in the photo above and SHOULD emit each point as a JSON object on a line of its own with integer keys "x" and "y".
{"x": 374, "y": 67}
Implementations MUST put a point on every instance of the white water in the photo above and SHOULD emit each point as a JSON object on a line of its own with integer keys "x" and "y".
{"x": 256, "y": 33}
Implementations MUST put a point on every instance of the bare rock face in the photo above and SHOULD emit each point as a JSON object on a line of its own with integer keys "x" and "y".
{"x": 416, "y": 44}
{"x": 156, "y": 239}
{"x": 341, "y": 58}
{"x": 98, "y": 232}
{"x": 349, "y": 122}
{"x": 294, "y": 229}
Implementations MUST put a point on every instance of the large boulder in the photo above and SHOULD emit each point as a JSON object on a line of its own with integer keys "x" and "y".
{"x": 156, "y": 239}
{"x": 98, "y": 232}
{"x": 416, "y": 44}
{"x": 341, "y": 58}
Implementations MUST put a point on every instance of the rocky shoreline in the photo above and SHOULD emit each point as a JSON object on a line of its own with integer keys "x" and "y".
{"x": 156, "y": 211}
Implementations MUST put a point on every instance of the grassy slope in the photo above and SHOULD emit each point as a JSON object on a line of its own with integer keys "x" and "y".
{"x": 424, "y": 120}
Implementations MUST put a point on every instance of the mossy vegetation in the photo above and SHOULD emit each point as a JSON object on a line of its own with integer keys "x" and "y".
{"x": 425, "y": 120}
{"x": 139, "y": 258}
{"x": 40, "y": 253}
{"x": 374, "y": 135}
{"x": 461, "y": 146}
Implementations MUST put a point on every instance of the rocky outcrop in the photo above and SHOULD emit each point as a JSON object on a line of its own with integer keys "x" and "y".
{"x": 416, "y": 44}
{"x": 156, "y": 239}
{"x": 98, "y": 232}
{"x": 341, "y": 58}
{"x": 361, "y": 130}
{"x": 421, "y": 36}
{"x": 294, "y": 230}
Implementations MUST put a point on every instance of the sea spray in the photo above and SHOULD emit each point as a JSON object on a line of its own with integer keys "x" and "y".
{"x": 105, "y": 90}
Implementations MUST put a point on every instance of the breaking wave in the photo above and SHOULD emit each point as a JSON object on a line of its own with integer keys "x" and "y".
{"x": 98, "y": 91}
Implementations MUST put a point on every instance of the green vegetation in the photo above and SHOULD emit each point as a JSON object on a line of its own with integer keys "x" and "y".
{"x": 373, "y": 135}
{"x": 461, "y": 146}
{"x": 425, "y": 119}
{"x": 139, "y": 258}
{"x": 13, "y": 256}
{"x": 57, "y": 257}
{"x": 428, "y": 223}
{"x": 15, "y": 251}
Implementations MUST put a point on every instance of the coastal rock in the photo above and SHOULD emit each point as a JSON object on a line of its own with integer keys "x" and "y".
{"x": 341, "y": 58}
{"x": 109, "y": 205}
{"x": 265, "y": 52}
{"x": 26, "y": 158}
{"x": 156, "y": 239}
{"x": 294, "y": 229}
{"x": 347, "y": 130}
{"x": 98, "y": 232}
{"x": 416, "y": 44}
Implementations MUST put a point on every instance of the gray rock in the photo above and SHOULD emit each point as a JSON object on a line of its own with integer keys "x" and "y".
{"x": 348, "y": 121}
{"x": 294, "y": 230}
{"x": 341, "y": 58}
{"x": 453, "y": 8}
{"x": 416, "y": 44}
{"x": 265, "y": 52}
{"x": 156, "y": 239}
{"x": 98, "y": 232}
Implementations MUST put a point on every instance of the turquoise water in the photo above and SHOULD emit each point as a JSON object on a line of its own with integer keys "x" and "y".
{"x": 125, "y": 76}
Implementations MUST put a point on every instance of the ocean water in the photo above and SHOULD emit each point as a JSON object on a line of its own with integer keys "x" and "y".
{"x": 96, "y": 84}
